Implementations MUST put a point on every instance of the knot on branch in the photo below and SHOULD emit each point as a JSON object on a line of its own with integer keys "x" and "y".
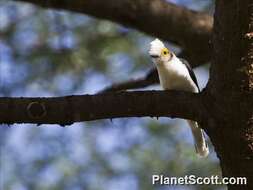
{"x": 36, "y": 110}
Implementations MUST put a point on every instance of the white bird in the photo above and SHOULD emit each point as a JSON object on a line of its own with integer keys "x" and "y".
{"x": 176, "y": 74}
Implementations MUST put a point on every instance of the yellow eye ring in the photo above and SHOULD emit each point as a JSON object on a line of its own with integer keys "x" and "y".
{"x": 165, "y": 51}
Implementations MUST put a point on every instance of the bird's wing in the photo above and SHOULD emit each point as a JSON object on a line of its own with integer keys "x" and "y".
{"x": 190, "y": 70}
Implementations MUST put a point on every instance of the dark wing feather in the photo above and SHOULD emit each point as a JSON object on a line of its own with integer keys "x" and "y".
{"x": 193, "y": 76}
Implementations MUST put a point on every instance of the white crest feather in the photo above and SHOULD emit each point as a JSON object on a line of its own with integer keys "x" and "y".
{"x": 155, "y": 47}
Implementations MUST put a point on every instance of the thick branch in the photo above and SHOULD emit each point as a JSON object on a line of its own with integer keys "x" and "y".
{"x": 229, "y": 92}
{"x": 189, "y": 29}
{"x": 70, "y": 109}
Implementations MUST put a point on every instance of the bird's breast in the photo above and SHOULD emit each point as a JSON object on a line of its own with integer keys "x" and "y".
{"x": 175, "y": 77}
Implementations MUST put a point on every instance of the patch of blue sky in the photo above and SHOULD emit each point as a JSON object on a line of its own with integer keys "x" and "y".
{"x": 197, "y": 5}
{"x": 118, "y": 135}
{"x": 78, "y": 143}
{"x": 77, "y": 20}
{"x": 12, "y": 72}
{"x": 120, "y": 66}
{"x": 67, "y": 19}
{"x": 93, "y": 82}
{"x": 54, "y": 42}
{"x": 139, "y": 73}
{"x": 202, "y": 74}
{"x": 119, "y": 162}
{"x": 19, "y": 73}
{"x": 178, "y": 129}
{"x": 62, "y": 40}
{"x": 25, "y": 37}
{"x": 6, "y": 71}
{"x": 80, "y": 153}
{"x": 50, "y": 175}
{"x": 5, "y": 21}
{"x": 7, "y": 168}
{"x": 20, "y": 138}
{"x": 123, "y": 182}
{"x": 69, "y": 40}
{"x": 5, "y": 51}
{"x": 24, "y": 10}
{"x": 93, "y": 179}
{"x": 37, "y": 89}
{"x": 18, "y": 141}
{"x": 143, "y": 44}
{"x": 18, "y": 185}
{"x": 64, "y": 83}
{"x": 131, "y": 131}
{"x": 11, "y": 10}
{"x": 108, "y": 140}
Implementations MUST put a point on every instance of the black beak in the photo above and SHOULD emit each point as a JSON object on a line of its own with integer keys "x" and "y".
{"x": 154, "y": 56}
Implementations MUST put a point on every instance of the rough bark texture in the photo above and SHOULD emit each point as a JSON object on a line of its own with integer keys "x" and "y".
{"x": 70, "y": 109}
{"x": 230, "y": 91}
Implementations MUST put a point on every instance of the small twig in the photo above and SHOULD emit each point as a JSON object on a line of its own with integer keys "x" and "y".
{"x": 150, "y": 78}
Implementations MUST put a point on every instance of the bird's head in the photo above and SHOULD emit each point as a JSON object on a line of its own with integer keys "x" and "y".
{"x": 159, "y": 53}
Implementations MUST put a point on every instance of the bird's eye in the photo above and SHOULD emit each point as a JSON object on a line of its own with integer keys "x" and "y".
{"x": 165, "y": 51}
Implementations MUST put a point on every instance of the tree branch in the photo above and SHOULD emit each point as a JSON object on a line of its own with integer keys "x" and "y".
{"x": 150, "y": 78}
{"x": 70, "y": 109}
{"x": 189, "y": 29}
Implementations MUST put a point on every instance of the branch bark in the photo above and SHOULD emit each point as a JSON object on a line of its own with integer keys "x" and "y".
{"x": 70, "y": 109}
{"x": 230, "y": 90}
{"x": 157, "y": 17}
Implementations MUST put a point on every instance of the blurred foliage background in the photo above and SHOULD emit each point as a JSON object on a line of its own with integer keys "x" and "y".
{"x": 56, "y": 53}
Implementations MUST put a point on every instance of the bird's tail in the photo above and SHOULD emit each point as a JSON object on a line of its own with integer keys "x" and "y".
{"x": 199, "y": 139}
